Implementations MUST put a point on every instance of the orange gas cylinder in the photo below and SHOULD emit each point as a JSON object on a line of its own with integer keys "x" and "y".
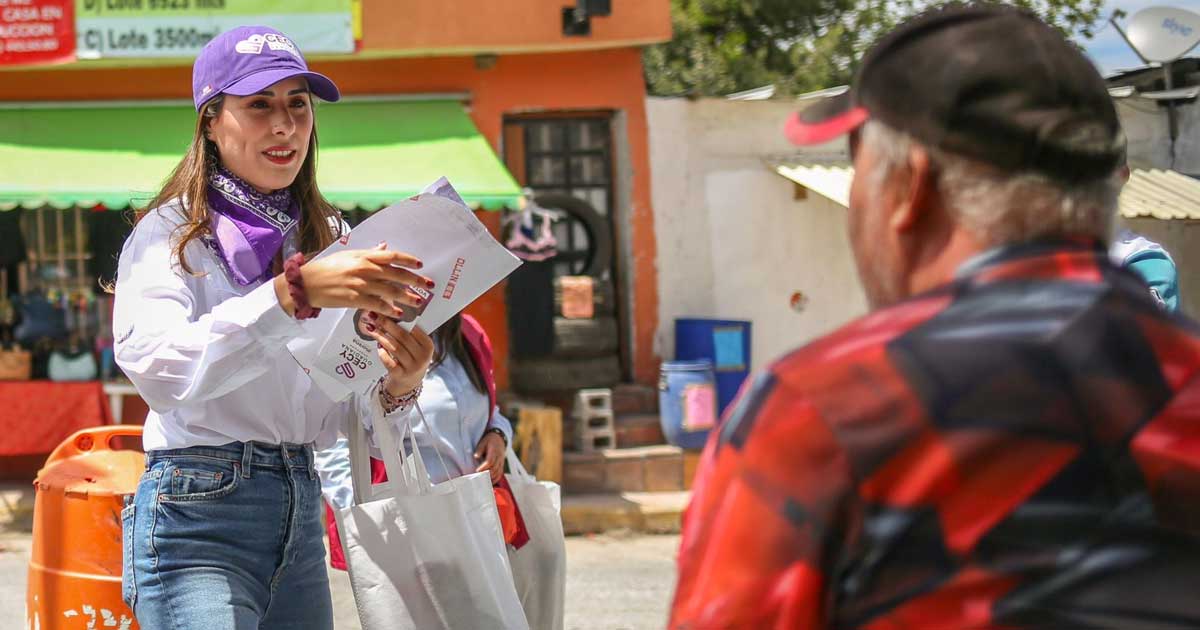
{"x": 75, "y": 566}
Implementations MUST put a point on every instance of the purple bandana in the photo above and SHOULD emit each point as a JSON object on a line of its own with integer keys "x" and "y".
{"x": 248, "y": 227}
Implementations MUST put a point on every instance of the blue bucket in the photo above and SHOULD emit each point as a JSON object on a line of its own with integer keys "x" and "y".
{"x": 687, "y": 402}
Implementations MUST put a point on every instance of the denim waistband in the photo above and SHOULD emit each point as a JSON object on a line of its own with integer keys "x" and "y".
{"x": 248, "y": 454}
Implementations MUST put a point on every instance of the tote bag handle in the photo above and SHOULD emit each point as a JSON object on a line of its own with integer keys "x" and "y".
{"x": 399, "y": 466}
{"x": 515, "y": 467}
{"x": 400, "y": 482}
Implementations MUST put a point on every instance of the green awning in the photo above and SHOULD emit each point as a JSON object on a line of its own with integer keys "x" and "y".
{"x": 372, "y": 153}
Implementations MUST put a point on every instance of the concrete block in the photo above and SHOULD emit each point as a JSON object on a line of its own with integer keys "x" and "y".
{"x": 594, "y": 440}
{"x": 589, "y": 402}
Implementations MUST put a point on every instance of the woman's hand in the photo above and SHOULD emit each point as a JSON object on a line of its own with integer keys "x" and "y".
{"x": 490, "y": 455}
{"x": 405, "y": 354}
{"x": 376, "y": 280}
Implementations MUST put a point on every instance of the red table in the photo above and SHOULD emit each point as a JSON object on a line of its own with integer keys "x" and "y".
{"x": 36, "y": 416}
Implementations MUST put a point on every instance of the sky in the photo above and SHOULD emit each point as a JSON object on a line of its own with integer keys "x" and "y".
{"x": 1108, "y": 50}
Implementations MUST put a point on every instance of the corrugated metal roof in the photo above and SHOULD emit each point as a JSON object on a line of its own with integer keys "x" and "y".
{"x": 827, "y": 180}
{"x": 1177, "y": 94}
{"x": 1161, "y": 195}
{"x": 826, "y": 93}
{"x": 756, "y": 94}
{"x": 1150, "y": 193}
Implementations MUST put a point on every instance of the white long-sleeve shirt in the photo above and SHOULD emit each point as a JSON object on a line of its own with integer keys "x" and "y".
{"x": 455, "y": 415}
{"x": 208, "y": 355}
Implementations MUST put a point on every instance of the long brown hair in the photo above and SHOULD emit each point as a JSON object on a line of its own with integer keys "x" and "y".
{"x": 449, "y": 342}
{"x": 320, "y": 221}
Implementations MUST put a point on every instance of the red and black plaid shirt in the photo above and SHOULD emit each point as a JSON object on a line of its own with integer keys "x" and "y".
{"x": 1017, "y": 449}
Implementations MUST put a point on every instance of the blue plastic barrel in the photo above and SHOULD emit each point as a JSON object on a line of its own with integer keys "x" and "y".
{"x": 687, "y": 405}
{"x": 724, "y": 342}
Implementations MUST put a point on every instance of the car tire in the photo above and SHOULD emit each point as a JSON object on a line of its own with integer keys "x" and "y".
{"x": 557, "y": 374}
{"x": 575, "y": 338}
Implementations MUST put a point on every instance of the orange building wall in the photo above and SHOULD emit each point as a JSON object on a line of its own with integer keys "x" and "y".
{"x": 586, "y": 80}
{"x": 447, "y": 26}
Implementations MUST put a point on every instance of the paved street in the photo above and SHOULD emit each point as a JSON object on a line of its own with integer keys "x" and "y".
{"x": 614, "y": 582}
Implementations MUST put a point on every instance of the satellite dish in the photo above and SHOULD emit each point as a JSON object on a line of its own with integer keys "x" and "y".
{"x": 1164, "y": 34}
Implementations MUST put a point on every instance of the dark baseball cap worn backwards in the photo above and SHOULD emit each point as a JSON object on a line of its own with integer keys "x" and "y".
{"x": 985, "y": 81}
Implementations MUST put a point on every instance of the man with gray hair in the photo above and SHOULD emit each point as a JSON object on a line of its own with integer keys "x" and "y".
{"x": 1011, "y": 439}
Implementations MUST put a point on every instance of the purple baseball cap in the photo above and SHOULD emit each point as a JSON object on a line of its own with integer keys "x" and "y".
{"x": 249, "y": 59}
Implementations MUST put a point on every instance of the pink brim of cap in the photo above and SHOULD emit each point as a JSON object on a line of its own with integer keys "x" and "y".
{"x": 318, "y": 84}
{"x": 802, "y": 132}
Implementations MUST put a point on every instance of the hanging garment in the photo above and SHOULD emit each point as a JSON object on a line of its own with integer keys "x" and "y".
{"x": 530, "y": 295}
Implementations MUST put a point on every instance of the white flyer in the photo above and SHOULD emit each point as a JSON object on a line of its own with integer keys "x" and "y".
{"x": 460, "y": 256}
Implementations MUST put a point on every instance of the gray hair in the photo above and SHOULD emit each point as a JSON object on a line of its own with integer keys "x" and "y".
{"x": 998, "y": 207}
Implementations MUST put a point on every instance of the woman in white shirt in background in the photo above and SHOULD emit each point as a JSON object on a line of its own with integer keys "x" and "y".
{"x": 224, "y": 531}
{"x": 459, "y": 430}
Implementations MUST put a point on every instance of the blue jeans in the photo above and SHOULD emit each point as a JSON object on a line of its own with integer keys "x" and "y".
{"x": 227, "y": 538}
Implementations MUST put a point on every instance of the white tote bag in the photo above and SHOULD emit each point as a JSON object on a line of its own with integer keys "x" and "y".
{"x": 539, "y": 568}
{"x": 430, "y": 555}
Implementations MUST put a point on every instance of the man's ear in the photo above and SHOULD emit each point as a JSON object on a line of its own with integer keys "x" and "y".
{"x": 920, "y": 184}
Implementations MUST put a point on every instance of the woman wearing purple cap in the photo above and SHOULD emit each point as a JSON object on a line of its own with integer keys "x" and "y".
{"x": 224, "y": 530}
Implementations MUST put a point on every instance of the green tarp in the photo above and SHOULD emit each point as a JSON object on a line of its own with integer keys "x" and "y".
{"x": 372, "y": 153}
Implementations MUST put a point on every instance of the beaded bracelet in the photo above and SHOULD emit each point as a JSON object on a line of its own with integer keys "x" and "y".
{"x": 392, "y": 404}
{"x": 295, "y": 282}
{"x": 497, "y": 431}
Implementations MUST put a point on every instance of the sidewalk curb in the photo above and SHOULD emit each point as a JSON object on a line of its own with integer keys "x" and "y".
{"x": 644, "y": 512}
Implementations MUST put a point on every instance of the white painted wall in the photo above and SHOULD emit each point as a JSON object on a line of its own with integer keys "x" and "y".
{"x": 1146, "y": 127}
{"x": 733, "y": 242}
{"x": 682, "y": 233}
{"x": 1187, "y": 143}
